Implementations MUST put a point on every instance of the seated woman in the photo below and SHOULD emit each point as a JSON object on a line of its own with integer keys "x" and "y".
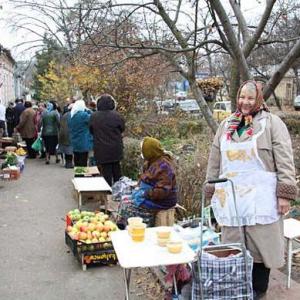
{"x": 157, "y": 183}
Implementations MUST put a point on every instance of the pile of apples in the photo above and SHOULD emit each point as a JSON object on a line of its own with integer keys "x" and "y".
{"x": 90, "y": 227}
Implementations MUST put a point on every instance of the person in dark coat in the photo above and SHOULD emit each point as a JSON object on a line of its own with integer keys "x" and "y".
{"x": 50, "y": 127}
{"x": 18, "y": 109}
{"x": 10, "y": 118}
{"x": 64, "y": 143}
{"x": 107, "y": 126}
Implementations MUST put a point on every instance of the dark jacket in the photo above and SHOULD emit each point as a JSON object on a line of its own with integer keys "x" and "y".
{"x": 81, "y": 139}
{"x": 10, "y": 115}
{"x": 50, "y": 123}
{"x": 63, "y": 136}
{"x": 18, "y": 109}
{"x": 106, "y": 126}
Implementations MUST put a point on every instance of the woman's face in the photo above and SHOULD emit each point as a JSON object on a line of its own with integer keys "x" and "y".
{"x": 247, "y": 99}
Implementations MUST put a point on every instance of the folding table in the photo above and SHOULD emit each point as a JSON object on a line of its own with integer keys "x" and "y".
{"x": 91, "y": 184}
{"x": 147, "y": 253}
{"x": 291, "y": 233}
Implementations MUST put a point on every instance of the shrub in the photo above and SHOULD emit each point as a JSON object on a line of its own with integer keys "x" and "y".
{"x": 132, "y": 160}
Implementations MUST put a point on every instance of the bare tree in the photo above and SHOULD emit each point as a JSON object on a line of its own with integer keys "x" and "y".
{"x": 174, "y": 29}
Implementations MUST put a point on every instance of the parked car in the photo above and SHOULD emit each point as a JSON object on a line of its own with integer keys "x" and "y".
{"x": 222, "y": 110}
{"x": 189, "y": 106}
{"x": 297, "y": 103}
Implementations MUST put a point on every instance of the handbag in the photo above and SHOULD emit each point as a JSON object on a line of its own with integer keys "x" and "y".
{"x": 37, "y": 144}
{"x": 223, "y": 271}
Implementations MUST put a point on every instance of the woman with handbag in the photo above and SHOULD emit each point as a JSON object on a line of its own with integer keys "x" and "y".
{"x": 253, "y": 148}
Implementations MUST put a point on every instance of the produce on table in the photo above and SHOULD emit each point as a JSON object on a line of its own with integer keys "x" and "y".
{"x": 80, "y": 170}
{"x": 90, "y": 227}
{"x": 11, "y": 159}
{"x": 20, "y": 151}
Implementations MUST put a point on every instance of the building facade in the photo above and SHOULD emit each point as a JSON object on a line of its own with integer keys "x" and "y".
{"x": 7, "y": 90}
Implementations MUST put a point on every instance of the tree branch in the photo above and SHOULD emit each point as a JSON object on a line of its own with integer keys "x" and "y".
{"x": 281, "y": 70}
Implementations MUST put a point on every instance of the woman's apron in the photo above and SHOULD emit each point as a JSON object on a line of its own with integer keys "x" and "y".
{"x": 254, "y": 186}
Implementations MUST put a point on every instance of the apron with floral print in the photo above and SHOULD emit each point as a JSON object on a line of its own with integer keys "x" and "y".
{"x": 254, "y": 186}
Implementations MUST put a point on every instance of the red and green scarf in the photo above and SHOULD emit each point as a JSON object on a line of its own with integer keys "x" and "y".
{"x": 237, "y": 117}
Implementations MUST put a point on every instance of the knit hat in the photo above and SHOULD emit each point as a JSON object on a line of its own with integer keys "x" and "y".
{"x": 151, "y": 148}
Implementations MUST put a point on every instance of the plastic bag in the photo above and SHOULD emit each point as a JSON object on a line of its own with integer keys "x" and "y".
{"x": 37, "y": 145}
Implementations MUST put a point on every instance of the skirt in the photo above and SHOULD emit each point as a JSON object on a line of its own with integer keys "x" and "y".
{"x": 50, "y": 143}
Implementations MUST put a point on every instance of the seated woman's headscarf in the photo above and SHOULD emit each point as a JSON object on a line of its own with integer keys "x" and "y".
{"x": 151, "y": 148}
{"x": 238, "y": 117}
{"x": 79, "y": 105}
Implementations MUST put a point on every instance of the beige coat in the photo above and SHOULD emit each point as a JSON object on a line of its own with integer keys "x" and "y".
{"x": 265, "y": 242}
{"x": 26, "y": 126}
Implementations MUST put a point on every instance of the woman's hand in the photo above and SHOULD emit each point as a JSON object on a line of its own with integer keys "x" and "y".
{"x": 283, "y": 206}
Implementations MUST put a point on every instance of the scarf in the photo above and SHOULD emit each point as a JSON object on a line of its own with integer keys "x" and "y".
{"x": 79, "y": 105}
{"x": 238, "y": 117}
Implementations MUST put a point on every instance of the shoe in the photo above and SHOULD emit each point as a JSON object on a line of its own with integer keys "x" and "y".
{"x": 57, "y": 160}
{"x": 47, "y": 162}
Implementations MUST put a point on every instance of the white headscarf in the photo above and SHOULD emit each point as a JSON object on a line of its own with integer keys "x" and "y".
{"x": 79, "y": 105}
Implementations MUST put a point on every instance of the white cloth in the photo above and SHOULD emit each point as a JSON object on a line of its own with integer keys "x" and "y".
{"x": 2, "y": 112}
{"x": 255, "y": 188}
{"x": 79, "y": 105}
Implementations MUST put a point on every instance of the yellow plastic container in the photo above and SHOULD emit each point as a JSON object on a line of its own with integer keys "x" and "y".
{"x": 137, "y": 232}
{"x": 138, "y": 237}
{"x": 163, "y": 232}
{"x": 174, "y": 247}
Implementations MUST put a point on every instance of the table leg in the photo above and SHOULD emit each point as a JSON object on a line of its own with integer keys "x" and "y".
{"x": 175, "y": 285}
{"x": 289, "y": 262}
{"x": 127, "y": 273}
{"x": 79, "y": 200}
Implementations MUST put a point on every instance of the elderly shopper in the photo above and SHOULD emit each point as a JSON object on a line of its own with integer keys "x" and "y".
{"x": 253, "y": 148}
{"x": 50, "y": 127}
{"x": 81, "y": 139}
{"x": 107, "y": 126}
{"x": 27, "y": 129}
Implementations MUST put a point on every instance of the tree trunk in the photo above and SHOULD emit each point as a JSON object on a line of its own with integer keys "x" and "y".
{"x": 295, "y": 69}
{"x": 203, "y": 106}
{"x": 234, "y": 85}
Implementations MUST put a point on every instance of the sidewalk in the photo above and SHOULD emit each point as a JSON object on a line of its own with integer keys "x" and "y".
{"x": 277, "y": 288}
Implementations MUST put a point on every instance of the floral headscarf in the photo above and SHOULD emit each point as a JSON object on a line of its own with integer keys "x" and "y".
{"x": 237, "y": 117}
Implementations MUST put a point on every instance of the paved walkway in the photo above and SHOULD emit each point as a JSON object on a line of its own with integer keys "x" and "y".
{"x": 35, "y": 262}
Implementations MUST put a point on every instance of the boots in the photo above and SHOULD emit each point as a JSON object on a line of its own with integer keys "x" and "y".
{"x": 69, "y": 161}
{"x": 260, "y": 279}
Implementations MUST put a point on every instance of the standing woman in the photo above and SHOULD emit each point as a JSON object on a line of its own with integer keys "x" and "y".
{"x": 26, "y": 127}
{"x": 107, "y": 126}
{"x": 50, "y": 128}
{"x": 81, "y": 139}
{"x": 10, "y": 119}
{"x": 253, "y": 148}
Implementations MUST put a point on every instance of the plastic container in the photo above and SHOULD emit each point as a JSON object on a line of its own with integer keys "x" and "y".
{"x": 137, "y": 232}
{"x": 174, "y": 246}
{"x": 163, "y": 232}
{"x": 162, "y": 242}
{"x": 134, "y": 220}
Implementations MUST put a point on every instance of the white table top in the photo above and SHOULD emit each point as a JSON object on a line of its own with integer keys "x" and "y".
{"x": 291, "y": 228}
{"x": 147, "y": 253}
{"x": 91, "y": 184}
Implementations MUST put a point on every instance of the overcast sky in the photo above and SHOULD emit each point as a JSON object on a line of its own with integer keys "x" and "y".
{"x": 9, "y": 39}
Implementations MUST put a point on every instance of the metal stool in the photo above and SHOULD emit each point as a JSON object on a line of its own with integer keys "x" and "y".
{"x": 291, "y": 233}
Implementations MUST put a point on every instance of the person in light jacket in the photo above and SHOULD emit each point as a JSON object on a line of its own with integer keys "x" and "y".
{"x": 253, "y": 148}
